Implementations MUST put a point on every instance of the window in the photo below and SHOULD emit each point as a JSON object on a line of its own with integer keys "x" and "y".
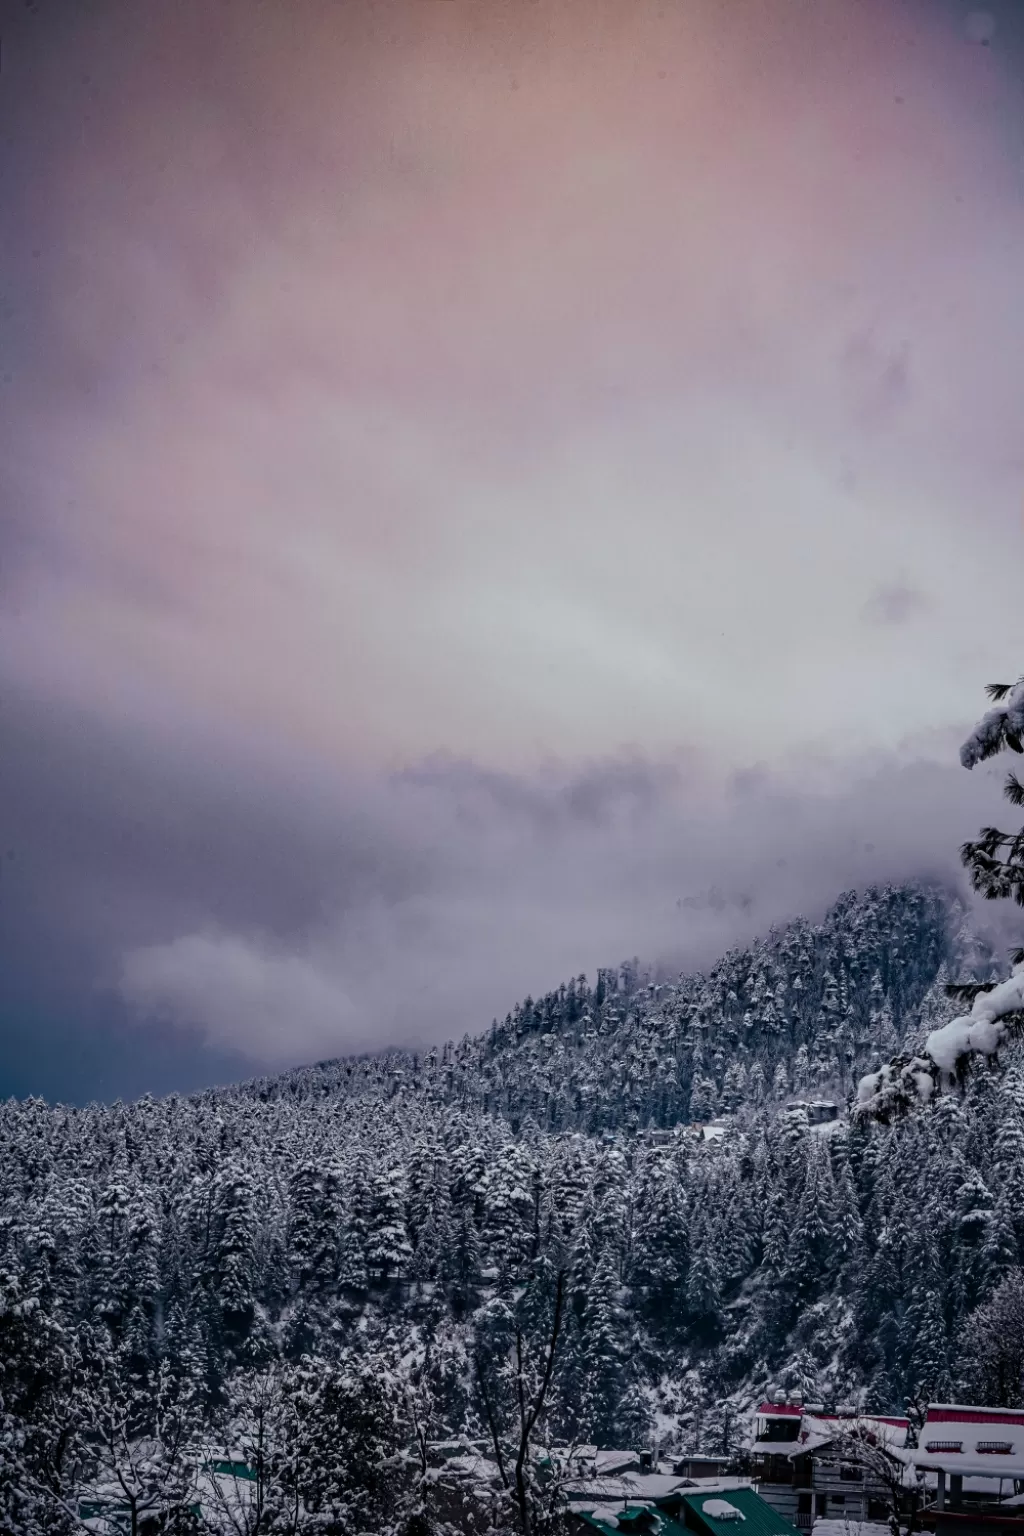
{"x": 995, "y": 1447}
{"x": 785, "y": 1430}
{"x": 839, "y": 1498}
{"x": 850, "y": 1474}
{"x": 878, "y": 1509}
{"x": 944, "y": 1445}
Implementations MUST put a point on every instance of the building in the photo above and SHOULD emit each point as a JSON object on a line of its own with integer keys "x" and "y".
{"x": 796, "y": 1465}
{"x": 976, "y": 1457}
{"x": 812, "y": 1112}
{"x": 694, "y": 1466}
{"x": 708, "y": 1512}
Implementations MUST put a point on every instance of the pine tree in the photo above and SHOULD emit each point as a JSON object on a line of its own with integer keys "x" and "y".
{"x": 388, "y": 1249}
{"x": 992, "y": 1346}
{"x": 703, "y": 1100}
{"x": 703, "y": 1283}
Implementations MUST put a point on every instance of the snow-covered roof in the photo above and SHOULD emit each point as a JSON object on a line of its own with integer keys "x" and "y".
{"x": 588, "y": 1459}
{"x": 651, "y": 1485}
{"x": 721, "y": 1509}
{"x": 472, "y": 1465}
{"x": 616, "y": 1461}
{"x": 820, "y": 1429}
{"x": 607, "y": 1514}
{"x": 713, "y": 1484}
{"x": 630, "y": 1487}
{"x": 969, "y": 1441}
{"x": 813, "y": 1435}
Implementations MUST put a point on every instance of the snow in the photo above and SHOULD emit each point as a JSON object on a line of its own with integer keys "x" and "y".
{"x": 650, "y": 1485}
{"x": 607, "y": 1514}
{"x": 812, "y": 1438}
{"x": 987, "y": 735}
{"x": 980, "y": 1031}
{"x": 614, "y": 1461}
{"x": 721, "y": 1509}
{"x": 971, "y": 1427}
{"x": 820, "y": 1429}
{"x": 849, "y": 1528}
{"x": 631, "y": 1488}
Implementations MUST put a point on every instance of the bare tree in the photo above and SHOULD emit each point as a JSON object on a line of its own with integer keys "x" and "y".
{"x": 248, "y": 1492}
{"x": 517, "y": 1352}
{"x": 861, "y": 1444}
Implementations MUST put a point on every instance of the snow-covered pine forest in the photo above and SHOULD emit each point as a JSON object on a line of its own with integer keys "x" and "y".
{"x": 364, "y": 1232}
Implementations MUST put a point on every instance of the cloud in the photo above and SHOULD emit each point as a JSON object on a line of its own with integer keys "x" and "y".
{"x": 511, "y": 892}
{"x": 378, "y": 406}
{"x": 877, "y": 379}
{"x": 896, "y": 604}
{"x": 234, "y": 904}
{"x": 279, "y": 1008}
{"x": 434, "y": 550}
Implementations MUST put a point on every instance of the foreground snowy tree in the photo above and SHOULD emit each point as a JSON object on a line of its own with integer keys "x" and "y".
{"x": 996, "y": 865}
{"x": 519, "y": 1346}
{"x": 861, "y": 1445}
{"x": 144, "y": 1435}
{"x": 996, "y": 859}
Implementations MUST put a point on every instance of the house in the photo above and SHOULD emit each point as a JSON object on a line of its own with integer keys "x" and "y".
{"x": 739, "y": 1512}
{"x": 976, "y": 1456}
{"x": 109, "y": 1514}
{"x": 695, "y": 1466}
{"x": 714, "y": 1130}
{"x": 439, "y": 1452}
{"x": 796, "y": 1467}
{"x": 731, "y": 1512}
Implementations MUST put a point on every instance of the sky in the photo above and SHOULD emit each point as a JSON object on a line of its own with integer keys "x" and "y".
{"x": 487, "y": 488}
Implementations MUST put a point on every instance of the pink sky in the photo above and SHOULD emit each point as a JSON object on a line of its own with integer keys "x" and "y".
{"x": 521, "y": 381}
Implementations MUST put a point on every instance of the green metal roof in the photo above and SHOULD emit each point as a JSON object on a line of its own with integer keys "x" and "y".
{"x": 759, "y": 1518}
{"x": 239, "y": 1469}
{"x": 665, "y": 1525}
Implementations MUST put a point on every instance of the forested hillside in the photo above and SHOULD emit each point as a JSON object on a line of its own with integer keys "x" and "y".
{"x": 394, "y": 1211}
{"x": 805, "y": 1009}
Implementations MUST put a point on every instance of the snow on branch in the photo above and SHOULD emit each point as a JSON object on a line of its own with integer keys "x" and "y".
{"x": 992, "y": 1019}
{"x": 996, "y": 1011}
{"x": 1001, "y": 727}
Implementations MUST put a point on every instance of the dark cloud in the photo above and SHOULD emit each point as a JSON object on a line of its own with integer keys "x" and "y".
{"x": 594, "y": 795}
{"x": 183, "y": 913}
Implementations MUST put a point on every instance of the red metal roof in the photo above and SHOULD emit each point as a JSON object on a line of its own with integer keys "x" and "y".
{"x": 953, "y": 1415}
